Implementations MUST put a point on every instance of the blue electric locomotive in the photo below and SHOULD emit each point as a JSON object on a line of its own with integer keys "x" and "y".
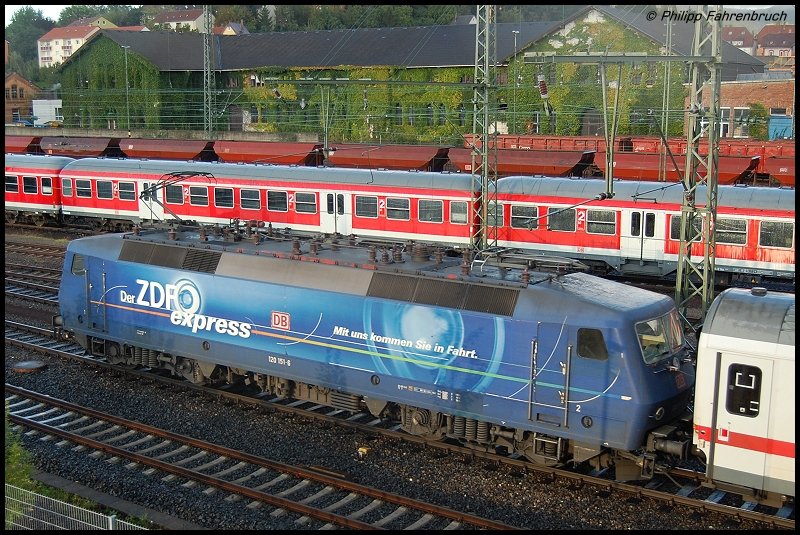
{"x": 558, "y": 367}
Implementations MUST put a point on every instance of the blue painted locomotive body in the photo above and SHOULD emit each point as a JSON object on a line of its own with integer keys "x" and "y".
{"x": 528, "y": 353}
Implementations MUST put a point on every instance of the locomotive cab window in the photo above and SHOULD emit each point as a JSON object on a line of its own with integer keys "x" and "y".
{"x": 12, "y": 184}
{"x": 660, "y": 337}
{"x": 592, "y": 345}
{"x": 744, "y": 390}
{"x": 78, "y": 266}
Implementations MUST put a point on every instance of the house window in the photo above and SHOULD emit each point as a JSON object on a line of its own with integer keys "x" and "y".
{"x": 741, "y": 122}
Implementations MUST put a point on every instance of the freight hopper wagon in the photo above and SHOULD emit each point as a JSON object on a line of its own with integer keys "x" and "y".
{"x": 560, "y": 368}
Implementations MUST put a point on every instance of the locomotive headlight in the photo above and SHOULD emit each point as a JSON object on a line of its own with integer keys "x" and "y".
{"x": 659, "y": 413}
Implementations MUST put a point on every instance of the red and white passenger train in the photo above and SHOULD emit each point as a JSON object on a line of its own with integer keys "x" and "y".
{"x": 635, "y": 232}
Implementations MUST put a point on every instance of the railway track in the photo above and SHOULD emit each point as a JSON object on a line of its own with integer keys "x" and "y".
{"x": 677, "y": 487}
{"x": 316, "y": 499}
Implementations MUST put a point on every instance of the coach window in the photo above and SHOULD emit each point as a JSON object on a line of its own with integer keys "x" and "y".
{"x": 83, "y": 188}
{"x": 494, "y": 215}
{"x": 398, "y": 209}
{"x": 198, "y": 195}
{"x": 29, "y": 184}
{"x": 47, "y": 185}
{"x": 12, "y": 184}
{"x": 524, "y": 217}
{"x": 66, "y": 187}
{"x": 127, "y": 191}
{"x": 731, "y": 231}
{"x": 251, "y": 200}
{"x": 306, "y": 203}
{"x": 744, "y": 390}
{"x": 776, "y": 234}
{"x": 431, "y": 211}
{"x": 601, "y": 222}
{"x": 561, "y": 219}
{"x": 223, "y": 197}
{"x": 277, "y": 201}
{"x": 105, "y": 189}
{"x": 675, "y": 227}
{"x": 366, "y": 206}
{"x": 458, "y": 212}
{"x": 592, "y": 345}
{"x": 174, "y": 194}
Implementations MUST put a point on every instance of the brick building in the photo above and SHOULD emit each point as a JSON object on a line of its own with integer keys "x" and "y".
{"x": 776, "y": 95}
{"x": 19, "y": 96}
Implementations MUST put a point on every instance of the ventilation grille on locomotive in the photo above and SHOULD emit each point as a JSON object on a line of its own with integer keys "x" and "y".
{"x": 444, "y": 293}
{"x": 171, "y": 257}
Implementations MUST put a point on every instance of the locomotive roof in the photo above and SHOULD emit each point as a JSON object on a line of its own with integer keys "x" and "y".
{"x": 251, "y": 171}
{"x": 648, "y": 192}
{"x": 764, "y": 316}
{"x": 413, "y": 278}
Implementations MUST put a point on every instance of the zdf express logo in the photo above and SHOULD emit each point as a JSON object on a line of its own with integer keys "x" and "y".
{"x": 183, "y": 300}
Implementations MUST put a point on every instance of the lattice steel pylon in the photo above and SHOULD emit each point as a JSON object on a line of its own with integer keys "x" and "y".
{"x": 208, "y": 73}
{"x": 482, "y": 166}
{"x": 696, "y": 278}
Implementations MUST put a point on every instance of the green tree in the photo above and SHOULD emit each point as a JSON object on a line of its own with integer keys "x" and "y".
{"x": 758, "y": 121}
{"x": 26, "y": 27}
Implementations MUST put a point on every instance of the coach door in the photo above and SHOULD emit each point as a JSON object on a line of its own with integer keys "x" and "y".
{"x": 335, "y": 213}
{"x": 641, "y": 235}
{"x": 740, "y": 423}
{"x": 151, "y": 200}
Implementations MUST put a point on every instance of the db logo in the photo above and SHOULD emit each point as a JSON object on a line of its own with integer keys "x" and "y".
{"x": 281, "y": 320}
